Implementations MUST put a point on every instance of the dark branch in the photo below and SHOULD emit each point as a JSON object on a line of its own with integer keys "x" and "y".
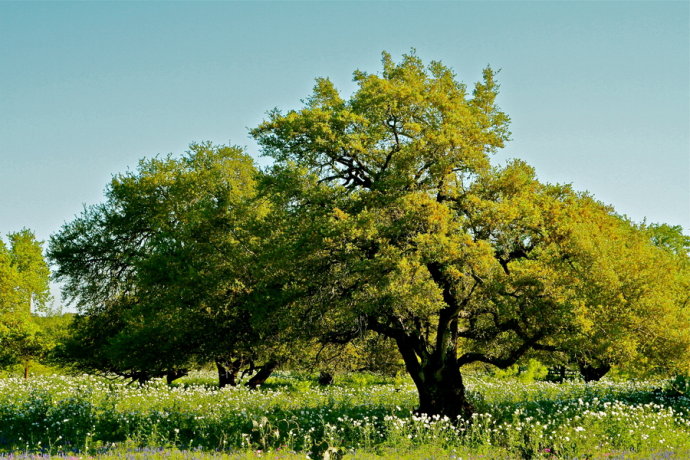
{"x": 504, "y": 361}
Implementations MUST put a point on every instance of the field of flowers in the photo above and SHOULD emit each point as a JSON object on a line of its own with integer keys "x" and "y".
{"x": 293, "y": 418}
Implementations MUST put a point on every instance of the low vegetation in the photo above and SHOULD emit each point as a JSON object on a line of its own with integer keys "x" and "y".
{"x": 361, "y": 416}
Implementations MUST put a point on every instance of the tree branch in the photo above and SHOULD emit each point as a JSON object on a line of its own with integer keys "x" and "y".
{"x": 501, "y": 362}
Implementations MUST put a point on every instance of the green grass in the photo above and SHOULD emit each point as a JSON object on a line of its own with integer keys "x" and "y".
{"x": 361, "y": 416}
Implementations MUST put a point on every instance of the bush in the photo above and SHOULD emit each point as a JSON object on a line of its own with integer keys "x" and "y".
{"x": 531, "y": 371}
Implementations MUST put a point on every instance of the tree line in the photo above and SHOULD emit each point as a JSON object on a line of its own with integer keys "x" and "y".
{"x": 382, "y": 218}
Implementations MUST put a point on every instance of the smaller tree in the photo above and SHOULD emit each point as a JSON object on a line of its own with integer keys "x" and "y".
{"x": 640, "y": 292}
{"x": 164, "y": 271}
{"x": 24, "y": 286}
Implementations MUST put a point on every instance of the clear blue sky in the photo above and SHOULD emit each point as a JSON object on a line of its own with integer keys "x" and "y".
{"x": 599, "y": 92}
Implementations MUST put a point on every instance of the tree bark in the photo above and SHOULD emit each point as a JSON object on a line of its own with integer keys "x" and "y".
{"x": 438, "y": 381}
{"x": 264, "y": 373}
{"x": 443, "y": 393}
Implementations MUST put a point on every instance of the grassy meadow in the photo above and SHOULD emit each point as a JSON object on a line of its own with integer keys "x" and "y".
{"x": 360, "y": 416}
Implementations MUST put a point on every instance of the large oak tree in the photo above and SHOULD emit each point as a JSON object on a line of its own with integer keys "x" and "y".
{"x": 394, "y": 220}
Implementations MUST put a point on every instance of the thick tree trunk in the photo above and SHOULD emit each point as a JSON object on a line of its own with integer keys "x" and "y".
{"x": 442, "y": 392}
{"x": 592, "y": 372}
{"x": 227, "y": 376}
{"x": 264, "y": 373}
{"x": 439, "y": 383}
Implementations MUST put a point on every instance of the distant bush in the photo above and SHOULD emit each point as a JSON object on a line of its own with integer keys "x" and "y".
{"x": 529, "y": 372}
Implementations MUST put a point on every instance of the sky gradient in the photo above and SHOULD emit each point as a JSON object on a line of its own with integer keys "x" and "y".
{"x": 598, "y": 92}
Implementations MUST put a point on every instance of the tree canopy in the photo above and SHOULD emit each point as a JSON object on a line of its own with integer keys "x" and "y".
{"x": 381, "y": 213}
{"x": 401, "y": 226}
{"x": 157, "y": 270}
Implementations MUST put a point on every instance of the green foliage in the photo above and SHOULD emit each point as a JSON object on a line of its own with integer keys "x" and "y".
{"x": 161, "y": 272}
{"x": 369, "y": 353}
{"x": 637, "y": 290}
{"x": 38, "y": 347}
{"x": 527, "y": 373}
{"x": 381, "y": 213}
{"x": 394, "y": 220}
{"x": 24, "y": 277}
{"x": 671, "y": 238}
{"x": 26, "y": 254}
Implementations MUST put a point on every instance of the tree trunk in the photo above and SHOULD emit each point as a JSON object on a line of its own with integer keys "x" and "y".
{"x": 264, "y": 373}
{"x": 593, "y": 372}
{"x": 171, "y": 376}
{"x": 439, "y": 383}
{"x": 227, "y": 376}
{"x": 26, "y": 371}
{"x": 443, "y": 393}
{"x": 325, "y": 378}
